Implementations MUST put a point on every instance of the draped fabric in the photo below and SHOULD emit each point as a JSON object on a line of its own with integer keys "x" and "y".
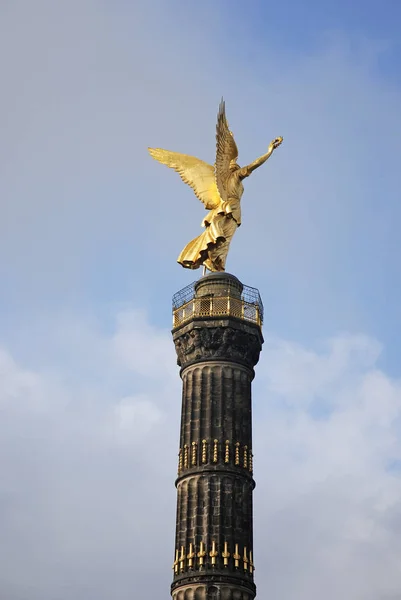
{"x": 211, "y": 247}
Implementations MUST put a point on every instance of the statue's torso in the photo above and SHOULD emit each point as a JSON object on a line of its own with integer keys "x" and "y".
{"x": 232, "y": 206}
{"x": 235, "y": 189}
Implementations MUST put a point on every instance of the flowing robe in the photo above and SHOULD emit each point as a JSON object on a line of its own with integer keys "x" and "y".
{"x": 211, "y": 247}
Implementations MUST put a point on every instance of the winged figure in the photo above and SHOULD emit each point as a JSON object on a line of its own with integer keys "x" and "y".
{"x": 219, "y": 188}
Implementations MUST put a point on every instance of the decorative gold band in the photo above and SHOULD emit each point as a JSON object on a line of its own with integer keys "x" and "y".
{"x": 213, "y": 451}
{"x": 198, "y": 560}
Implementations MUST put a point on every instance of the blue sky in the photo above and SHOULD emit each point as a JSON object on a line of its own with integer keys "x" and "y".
{"x": 345, "y": 64}
{"x": 89, "y": 237}
{"x": 301, "y": 25}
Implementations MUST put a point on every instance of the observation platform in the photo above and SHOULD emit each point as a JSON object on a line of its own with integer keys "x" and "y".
{"x": 217, "y": 295}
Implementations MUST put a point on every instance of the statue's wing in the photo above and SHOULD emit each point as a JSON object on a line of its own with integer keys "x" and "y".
{"x": 226, "y": 150}
{"x": 196, "y": 173}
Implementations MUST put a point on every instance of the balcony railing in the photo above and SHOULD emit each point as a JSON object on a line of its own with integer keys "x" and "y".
{"x": 247, "y": 307}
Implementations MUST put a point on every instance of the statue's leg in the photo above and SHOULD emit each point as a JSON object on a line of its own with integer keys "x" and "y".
{"x": 208, "y": 264}
{"x": 217, "y": 254}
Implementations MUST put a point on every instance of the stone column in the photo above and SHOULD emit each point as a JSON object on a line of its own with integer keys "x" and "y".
{"x": 217, "y": 347}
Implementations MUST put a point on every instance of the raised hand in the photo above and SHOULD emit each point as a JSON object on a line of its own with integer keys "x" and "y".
{"x": 275, "y": 143}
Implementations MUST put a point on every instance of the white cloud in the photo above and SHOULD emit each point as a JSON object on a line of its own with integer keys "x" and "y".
{"x": 141, "y": 347}
{"x": 80, "y": 476}
{"x": 136, "y": 417}
{"x": 326, "y": 437}
{"x": 89, "y": 477}
{"x": 15, "y": 383}
{"x": 300, "y": 373}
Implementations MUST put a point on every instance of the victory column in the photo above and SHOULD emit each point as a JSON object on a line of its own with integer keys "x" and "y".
{"x": 217, "y": 334}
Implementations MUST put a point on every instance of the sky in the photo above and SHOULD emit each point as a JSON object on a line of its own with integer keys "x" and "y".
{"x": 89, "y": 235}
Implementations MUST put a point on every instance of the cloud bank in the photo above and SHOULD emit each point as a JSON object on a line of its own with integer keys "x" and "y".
{"x": 87, "y": 495}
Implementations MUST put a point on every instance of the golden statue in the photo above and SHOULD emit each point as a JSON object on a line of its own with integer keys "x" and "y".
{"x": 220, "y": 189}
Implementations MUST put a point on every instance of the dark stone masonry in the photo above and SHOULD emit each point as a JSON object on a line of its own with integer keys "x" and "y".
{"x": 217, "y": 348}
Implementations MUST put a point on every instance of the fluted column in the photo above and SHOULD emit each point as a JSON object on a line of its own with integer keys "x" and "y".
{"x": 214, "y": 535}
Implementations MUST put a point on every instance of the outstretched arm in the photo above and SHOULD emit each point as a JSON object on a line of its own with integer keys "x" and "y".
{"x": 246, "y": 171}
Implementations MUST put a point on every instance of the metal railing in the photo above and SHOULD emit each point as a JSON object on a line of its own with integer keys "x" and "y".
{"x": 186, "y": 306}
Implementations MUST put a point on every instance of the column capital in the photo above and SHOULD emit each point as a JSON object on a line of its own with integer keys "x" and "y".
{"x": 218, "y": 339}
